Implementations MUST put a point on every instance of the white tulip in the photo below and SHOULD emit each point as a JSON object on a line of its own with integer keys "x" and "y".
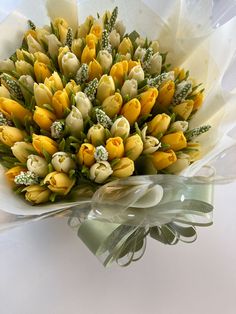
{"x": 155, "y": 46}
{"x": 129, "y": 88}
{"x": 23, "y": 67}
{"x": 155, "y": 64}
{"x": 74, "y": 122}
{"x": 70, "y": 64}
{"x": 140, "y": 41}
{"x": 96, "y": 134}
{"x": 106, "y": 87}
{"x": 120, "y": 28}
{"x": 21, "y": 150}
{"x": 137, "y": 73}
{"x": 139, "y": 53}
{"x": 4, "y": 92}
{"x": 37, "y": 165}
{"x": 6, "y": 65}
{"x": 150, "y": 145}
{"x": 83, "y": 104}
{"x": 181, "y": 163}
{"x": 33, "y": 45}
{"x": 53, "y": 45}
{"x": 114, "y": 39}
{"x": 62, "y": 162}
{"x": 121, "y": 127}
{"x": 100, "y": 171}
{"x": 179, "y": 126}
{"x": 105, "y": 60}
{"x": 42, "y": 94}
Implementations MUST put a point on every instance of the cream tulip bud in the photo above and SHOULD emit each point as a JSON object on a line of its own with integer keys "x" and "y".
{"x": 106, "y": 88}
{"x": 133, "y": 147}
{"x": 182, "y": 162}
{"x": 27, "y": 83}
{"x": 155, "y": 46}
{"x": 4, "y": 92}
{"x": 120, "y": 28}
{"x": 151, "y": 145}
{"x": 33, "y": 45}
{"x": 42, "y": 94}
{"x": 53, "y": 46}
{"x": 140, "y": 41}
{"x": 83, "y": 104}
{"x": 74, "y": 122}
{"x": 137, "y": 73}
{"x": 96, "y": 134}
{"x": 100, "y": 171}
{"x": 62, "y": 162}
{"x": 70, "y": 64}
{"x": 124, "y": 168}
{"x": 121, "y": 128}
{"x": 21, "y": 150}
{"x": 105, "y": 60}
{"x": 112, "y": 105}
{"x": 59, "y": 182}
{"x": 155, "y": 64}
{"x": 23, "y": 67}
{"x": 179, "y": 126}
{"x": 139, "y": 53}
{"x": 129, "y": 89}
{"x": 6, "y": 65}
{"x": 37, "y": 165}
{"x": 77, "y": 47}
{"x": 37, "y": 194}
{"x": 114, "y": 39}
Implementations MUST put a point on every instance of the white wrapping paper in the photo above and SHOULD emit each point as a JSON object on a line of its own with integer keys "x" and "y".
{"x": 183, "y": 28}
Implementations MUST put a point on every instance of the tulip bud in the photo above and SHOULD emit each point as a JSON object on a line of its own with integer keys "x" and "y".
{"x": 96, "y": 30}
{"x": 94, "y": 70}
{"x": 176, "y": 141}
{"x": 41, "y": 71}
{"x": 198, "y": 100}
{"x": 37, "y": 165}
{"x": 60, "y": 101}
{"x": 118, "y": 71}
{"x": 59, "y": 182}
{"x": 77, "y": 47}
{"x": 150, "y": 145}
{"x": 72, "y": 88}
{"x": 12, "y": 173}
{"x": 165, "y": 95}
{"x": 155, "y": 46}
{"x": 124, "y": 168}
{"x": 179, "y": 126}
{"x": 125, "y": 46}
{"x": 53, "y": 46}
{"x": 44, "y": 118}
{"x": 136, "y": 73}
{"x": 131, "y": 110}
{"x": 4, "y": 92}
{"x": 182, "y": 162}
{"x": 10, "y": 135}
{"x": 162, "y": 160}
{"x": 85, "y": 27}
{"x": 43, "y": 143}
{"x": 26, "y": 86}
{"x": 89, "y": 52}
{"x": 62, "y": 162}
{"x": 21, "y": 150}
{"x": 24, "y": 55}
{"x": 114, "y": 39}
{"x": 23, "y": 67}
{"x": 62, "y": 51}
{"x": 96, "y": 134}
{"x": 129, "y": 88}
{"x": 42, "y": 58}
{"x": 83, "y": 104}
{"x": 140, "y": 41}
{"x": 133, "y": 147}
{"x": 100, "y": 171}
{"x": 62, "y": 26}
{"x": 74, "y": 122}
{"x": 37, "y": 194}
{"x": 120, "y": 28}
{"x": 33, "y": 45}
{"x": 155, "y": 64}
{"x": 7, "y": 65}
{"x": 139, "y": 53}
{"x": 184, "y": 109}
{"x": 112, "y": 105}
{"x": 86, "y": 154}
{"x": 70, "y": 64}
{"x": 121, "y": 128}
{"x": 179, "y": 73}
{"x": 159, "y": 124}
{"x": 106, "y": 88}
{"x": 54, "y": 82}
{"x": 147, "y": 100}
{"x": 115, "y": 147}
{"x": 105, "y": 60}
{"x": 10, "y": 108}
{"x": 42, "y": 94}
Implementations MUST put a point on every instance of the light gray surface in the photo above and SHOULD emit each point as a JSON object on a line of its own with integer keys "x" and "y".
{"x": 45, "y": 269}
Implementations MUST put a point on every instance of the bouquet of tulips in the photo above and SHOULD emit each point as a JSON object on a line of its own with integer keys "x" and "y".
{"x": 92, "y": 106}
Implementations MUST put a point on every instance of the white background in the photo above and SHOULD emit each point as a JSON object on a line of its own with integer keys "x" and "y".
{"x": 45, "y": 268}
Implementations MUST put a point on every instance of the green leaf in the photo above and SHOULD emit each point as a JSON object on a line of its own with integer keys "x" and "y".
{"x": 47, "y": 156}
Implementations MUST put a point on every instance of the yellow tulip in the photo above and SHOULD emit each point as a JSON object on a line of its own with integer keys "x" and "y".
{"x": 85, "y": 27}
{"x": 180, "y": 73}
{"x": 94, "y": 70}
{"x": 30, "y": 32}
{"x": 162, "y": 160}
{"x": 59, "y": 182}
{"x": 147, "y": 100}
{"x": 89, "y": 52}
{"x": 37, "y": 194}
{"x": 96, "y": 30}
{"x": 41, "y": 143}
{"x": 10, "y": 108}
{"x": 24, "y": 68}
{"x": 42, "y": 57}
{"x": 112, "y": 105}
{"x": 159, "y": 124}
{"x": 54, "y": 82}
{"x": 21, "y": 150}
{"x": 198, "y": 100}
{"x": 132, "y": 64}
{"x": 125, "y": 46}
{"x": 13, "y": 172}
{"x": 118, "y": 71}
{"x": 106, "y": 87}
{"x": 177, "y": 140}
{"x": 44, "y": 118}
{"x": 86, "y": 154}
{"x": 77, "y": 46}
{"x": 60, "y": 101}
{"x": 115, "y": 147}
{"x": 62, "y": 27}
{"x": 91, "y": 37}
{"x": 184, "y": 109}
{"x": 124, "y": 168}
{"x": 10, "y": 135}
{"x": 165, "y": 95}
{"x": 41, "y": 71}
{"x": 131, "y": 110}
{"x": 133, "y": 147}
{"x": 72, "y": 88}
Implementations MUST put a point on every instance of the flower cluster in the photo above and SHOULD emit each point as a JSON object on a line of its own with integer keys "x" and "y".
{"x": 93, "y": 106}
